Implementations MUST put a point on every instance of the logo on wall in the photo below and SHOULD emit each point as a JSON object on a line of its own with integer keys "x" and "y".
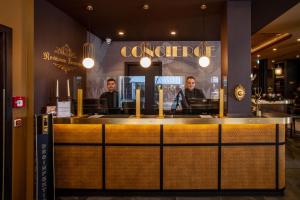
{"x": 168, "y": 51}
{"x": 63, "y": 58}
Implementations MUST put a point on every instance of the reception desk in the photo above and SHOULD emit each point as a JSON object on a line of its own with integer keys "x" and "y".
{"x": 169, "y": 155}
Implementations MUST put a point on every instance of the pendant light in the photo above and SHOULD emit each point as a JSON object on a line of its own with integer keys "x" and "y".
{"x": 88, "y": 47}
{"x": 145, "y": 60}
{"x": 278, "y": 70}
{"x": 204, "y": 60}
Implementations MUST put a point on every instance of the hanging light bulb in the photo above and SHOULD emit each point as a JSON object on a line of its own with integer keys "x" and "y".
{"x": 88, "y": 47}
{"x": 88, "y": 55}
{"x": 145, "y": 61}
{"x": 204, "y": 61}
{"x": 88, "y": 63}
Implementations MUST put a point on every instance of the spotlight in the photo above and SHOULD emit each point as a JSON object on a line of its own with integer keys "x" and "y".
{"x": 121, "y": 33}
{"x": 173, "y": 33}
{"x": 146, "y": 6}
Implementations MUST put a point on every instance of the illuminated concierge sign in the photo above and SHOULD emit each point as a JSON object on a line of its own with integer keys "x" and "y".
{"x": 168, "y": 51}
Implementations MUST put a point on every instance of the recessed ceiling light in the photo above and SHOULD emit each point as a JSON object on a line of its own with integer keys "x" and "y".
{"x": 274, "y": 49}
{"x": 203, "y": 6}
{"x": 146, "y": 6}
{"x": 298, "y": 39}
{"x": 89, "y": 8}
{"x": 173, "y": 32}
{"x": 273, "y": 61}
{"x": 121, "y": 33}
{"x": 258, "y": 55}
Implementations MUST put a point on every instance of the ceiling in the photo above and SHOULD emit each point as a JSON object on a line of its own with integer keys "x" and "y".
{"x": 163, "y": 16}
{"x": 289, "y": 22}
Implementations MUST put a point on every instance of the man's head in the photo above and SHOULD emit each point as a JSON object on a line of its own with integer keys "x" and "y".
{"x": 190, "y": 83}
{"x": 111, "y": 84}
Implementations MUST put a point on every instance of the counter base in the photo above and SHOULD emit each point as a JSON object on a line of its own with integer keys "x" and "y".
{"x": 192, "y": 159}
{"x": 157, "y": 193}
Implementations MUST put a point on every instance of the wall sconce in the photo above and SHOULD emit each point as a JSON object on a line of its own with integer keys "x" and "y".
{"x": 252, "y": 76}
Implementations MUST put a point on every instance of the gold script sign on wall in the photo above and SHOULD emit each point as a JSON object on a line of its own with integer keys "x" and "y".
{"x": 167, "y": 51}
{"x": 63, "y": 58}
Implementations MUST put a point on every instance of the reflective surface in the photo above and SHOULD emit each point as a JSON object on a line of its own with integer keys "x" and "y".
{"x": 171, "y": 119}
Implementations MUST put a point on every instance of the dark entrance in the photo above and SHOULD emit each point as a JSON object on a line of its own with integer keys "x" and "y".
{"x": 5, "y": 112}
{"x": 134, "y": 69}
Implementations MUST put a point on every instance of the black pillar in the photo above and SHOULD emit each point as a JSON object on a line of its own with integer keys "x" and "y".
{"x": 236, "y": 54}
{"x": 263, "y": 75}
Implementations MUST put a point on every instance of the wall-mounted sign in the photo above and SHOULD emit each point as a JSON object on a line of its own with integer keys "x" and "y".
{"x": 168, "y": 51}
{"x": 45, "y": 186}
{"x": 18, "y": 102}
{"x": 239, "y": 92}
{"x": 63, "y": 58}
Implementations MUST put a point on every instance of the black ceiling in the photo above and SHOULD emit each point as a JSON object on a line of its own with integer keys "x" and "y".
{"x": 183, "y": 16}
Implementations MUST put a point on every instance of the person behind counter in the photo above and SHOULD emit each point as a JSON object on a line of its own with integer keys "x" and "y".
{"x": 190, "y": 96}
{"x": 110, "y": 100}
{"x": 191, "y": 91}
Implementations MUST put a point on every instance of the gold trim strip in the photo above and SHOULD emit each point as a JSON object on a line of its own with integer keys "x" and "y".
{"x": 271, "y": 42}
{"x": 170, "y": 120}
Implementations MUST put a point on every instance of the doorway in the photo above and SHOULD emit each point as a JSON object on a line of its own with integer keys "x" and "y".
{"x": 134, "y": 69}
{"x": 5, "y": 112}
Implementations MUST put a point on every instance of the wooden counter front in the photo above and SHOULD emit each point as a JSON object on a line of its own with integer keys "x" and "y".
{"x": 170, "y": 157}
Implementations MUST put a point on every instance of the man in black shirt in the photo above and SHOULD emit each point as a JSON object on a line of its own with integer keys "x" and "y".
{"x": 110, "y": 100}
{"x": 190, "y": 96}
{"x": 190, "y": 90}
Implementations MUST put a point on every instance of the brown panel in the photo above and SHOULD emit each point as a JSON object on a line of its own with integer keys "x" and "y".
{"x": 78, "y": 133}
{"x": 249, "y": 167}
{"x": 132, "y": 168}
{"x": 248, "y": 133}
{"x": 132, "y": 133}
{"x": 190, "y": 168}
{"x": 78, "y": 167}
{"x": 281, "y": 166}
{"x": 190, "y": 133}
{"x": 282, "y": 133}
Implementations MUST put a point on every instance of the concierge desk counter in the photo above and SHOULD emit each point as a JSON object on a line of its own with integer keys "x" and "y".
{"x": 170, "y": 155}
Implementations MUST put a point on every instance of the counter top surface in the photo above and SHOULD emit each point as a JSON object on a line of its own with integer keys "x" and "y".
{"x": 173, "y": 119}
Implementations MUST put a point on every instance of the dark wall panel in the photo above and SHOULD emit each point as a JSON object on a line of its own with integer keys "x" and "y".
{"x": 292, "y": 79}
{"x": 54, "y": 29}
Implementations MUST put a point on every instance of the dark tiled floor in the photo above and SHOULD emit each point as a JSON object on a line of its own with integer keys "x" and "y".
{"x": 292, "y": 191}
